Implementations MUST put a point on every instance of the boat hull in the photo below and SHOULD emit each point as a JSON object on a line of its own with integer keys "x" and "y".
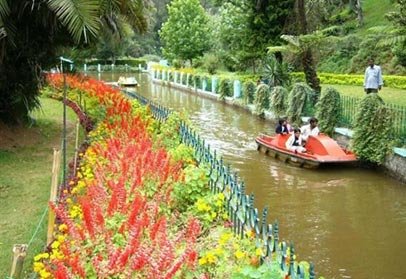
{"x": 288, "y": 158}
{"x": 322, "y": 150}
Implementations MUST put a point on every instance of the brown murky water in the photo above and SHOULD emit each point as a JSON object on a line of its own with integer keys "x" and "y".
{"x": 350, "y": 222}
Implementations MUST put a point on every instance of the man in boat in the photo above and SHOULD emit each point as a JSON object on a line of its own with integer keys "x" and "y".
{"x": 295, "y": 142}
{"x": 283, "y": 127}
{"x": 310, "y": 129}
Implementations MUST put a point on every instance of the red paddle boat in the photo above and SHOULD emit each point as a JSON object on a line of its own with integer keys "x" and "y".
{"x": 321, "y": 150}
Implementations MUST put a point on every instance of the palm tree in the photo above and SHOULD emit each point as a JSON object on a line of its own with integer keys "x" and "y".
{"x": 301, "y": 45}
{"x": 31, "y": 31}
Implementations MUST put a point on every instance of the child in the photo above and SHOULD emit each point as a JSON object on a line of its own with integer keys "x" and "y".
{"x": 295, "y": 142}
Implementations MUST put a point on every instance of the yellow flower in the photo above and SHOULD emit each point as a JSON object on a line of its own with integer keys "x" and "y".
{"x": 213, "y": 215}
{"x": 250, "y": 233}
{"x": 41, "y": 256}
{"x": 258, "y": 252}
{"x": 224, "y": 238}
{"x": 61, "y": 238}
{"x": 239, "y": 254}
{"x": 221, "y": 196}
{"x": 211, "y": 258}
{"x": 63, "y": 228}
{"x": 38, "y": 266}
{"x": 202, "y": 261}
{"x": 219, "y": 251}
{"x": 201, "y": 205}
{"x": 55, "y": 244}
{"x": 224, "y": 216}
{"x": 44, "y": 274}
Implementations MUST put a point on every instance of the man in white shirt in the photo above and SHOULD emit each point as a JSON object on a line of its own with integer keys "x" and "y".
{"x": 373, "y": 78}
{"x": 310, "y": 129}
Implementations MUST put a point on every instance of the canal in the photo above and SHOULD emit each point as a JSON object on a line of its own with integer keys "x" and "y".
{"x": 351, "y": 222}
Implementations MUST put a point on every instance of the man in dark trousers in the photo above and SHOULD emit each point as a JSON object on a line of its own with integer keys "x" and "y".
{"x": 373, "y": 78}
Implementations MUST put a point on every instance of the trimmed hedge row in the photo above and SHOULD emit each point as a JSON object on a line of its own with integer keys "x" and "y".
{"x": 346, "y": 79}
{"x": 132, "y": 62}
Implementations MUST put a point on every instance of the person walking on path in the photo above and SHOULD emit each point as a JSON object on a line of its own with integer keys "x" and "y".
{"x": 373, "y": 78}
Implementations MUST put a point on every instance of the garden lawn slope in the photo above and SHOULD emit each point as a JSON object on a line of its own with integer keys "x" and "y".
{"x": 26, "y": 155}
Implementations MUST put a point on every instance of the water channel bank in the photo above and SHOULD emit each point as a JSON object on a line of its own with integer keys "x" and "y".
{"x": 394, "y": 165}
{"x": 350, "y": 222}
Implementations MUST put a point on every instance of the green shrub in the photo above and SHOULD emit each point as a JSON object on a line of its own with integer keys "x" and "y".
{"x": 131, "y": 62}
{"x": 177, "y": 64}
{"x": 182, "y": 78}
{"x": 211, "y": 63}
{"x": 277, "y": 73}
{"x": 261, "y": 100}
{"x": 248, "y": 91}
{"x": 372, "y": 130}
{"x": 208, "y": 82}
{"x": 191, "y": 80}
{"x": 197, "y": 79}
{"x": 299, "y": 102}
{"x": 347, "y": 79}
{"x": 369, "y": 47}
{"x": 151, "y": 57}
{"x": 400, "y": 51}
{"x": 225, "y": 88}
{"x": 193, "y": 187}
{"x": 278, "y": 100}
{"x": 328, "y": 110}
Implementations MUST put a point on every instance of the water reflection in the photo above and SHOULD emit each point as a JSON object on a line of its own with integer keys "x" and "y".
{"x": 350, "y": 222}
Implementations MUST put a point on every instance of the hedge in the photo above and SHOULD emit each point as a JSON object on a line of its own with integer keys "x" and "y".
{"x": 347, "y": 79}
{"x": 133, "y": 62}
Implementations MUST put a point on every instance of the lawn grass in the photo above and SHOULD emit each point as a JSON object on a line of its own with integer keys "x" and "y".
{"x": 26, "y": 157}
{"x": 389, "y": 95}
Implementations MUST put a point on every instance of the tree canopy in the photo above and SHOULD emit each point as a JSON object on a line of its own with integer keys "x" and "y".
{"x": 32, "y": 31}
{"x": 186, "y": 34}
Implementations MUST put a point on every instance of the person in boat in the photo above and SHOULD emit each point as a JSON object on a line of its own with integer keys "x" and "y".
{"x": 295, "y": 142}
{"x": 283, "y": 127}
{"x": 310, "y": 129}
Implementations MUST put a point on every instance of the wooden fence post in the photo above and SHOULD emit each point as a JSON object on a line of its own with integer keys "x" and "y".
{"x": 19, "y": 253}
{"x": 76, "y": 148}
{"x": 52, "y": 198}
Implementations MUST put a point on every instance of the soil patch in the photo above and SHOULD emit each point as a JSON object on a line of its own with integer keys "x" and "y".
{"x": 12, "y": 137}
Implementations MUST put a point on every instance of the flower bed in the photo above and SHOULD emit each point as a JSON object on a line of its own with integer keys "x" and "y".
{"x": 140, "y": 206}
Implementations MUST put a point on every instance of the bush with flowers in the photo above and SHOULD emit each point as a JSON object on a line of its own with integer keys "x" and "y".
{"x": 114, "y": 216}
{"x": 139, "y": 204}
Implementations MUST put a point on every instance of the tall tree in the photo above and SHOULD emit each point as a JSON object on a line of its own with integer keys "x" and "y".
{"x": 235, "y": 45}
{"x": 186, "y": 33}
{"x": 260, "y": 24}
{"x": 31, "y": 31}
{"x": 307, "y": 56}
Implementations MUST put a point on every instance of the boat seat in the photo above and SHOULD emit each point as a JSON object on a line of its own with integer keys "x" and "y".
{"x": 281, "y": 140}
{"x": 324, "y": 145}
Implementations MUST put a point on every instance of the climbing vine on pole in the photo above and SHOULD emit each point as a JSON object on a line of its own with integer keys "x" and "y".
{"x": 373, "y": 137}
{"x": 248, "y": 90}
{"x": 261, "y": 100}
{"x": 278, "y": 100}
{"x": 299, "y": 102}
{"x": 328, "y": 110}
